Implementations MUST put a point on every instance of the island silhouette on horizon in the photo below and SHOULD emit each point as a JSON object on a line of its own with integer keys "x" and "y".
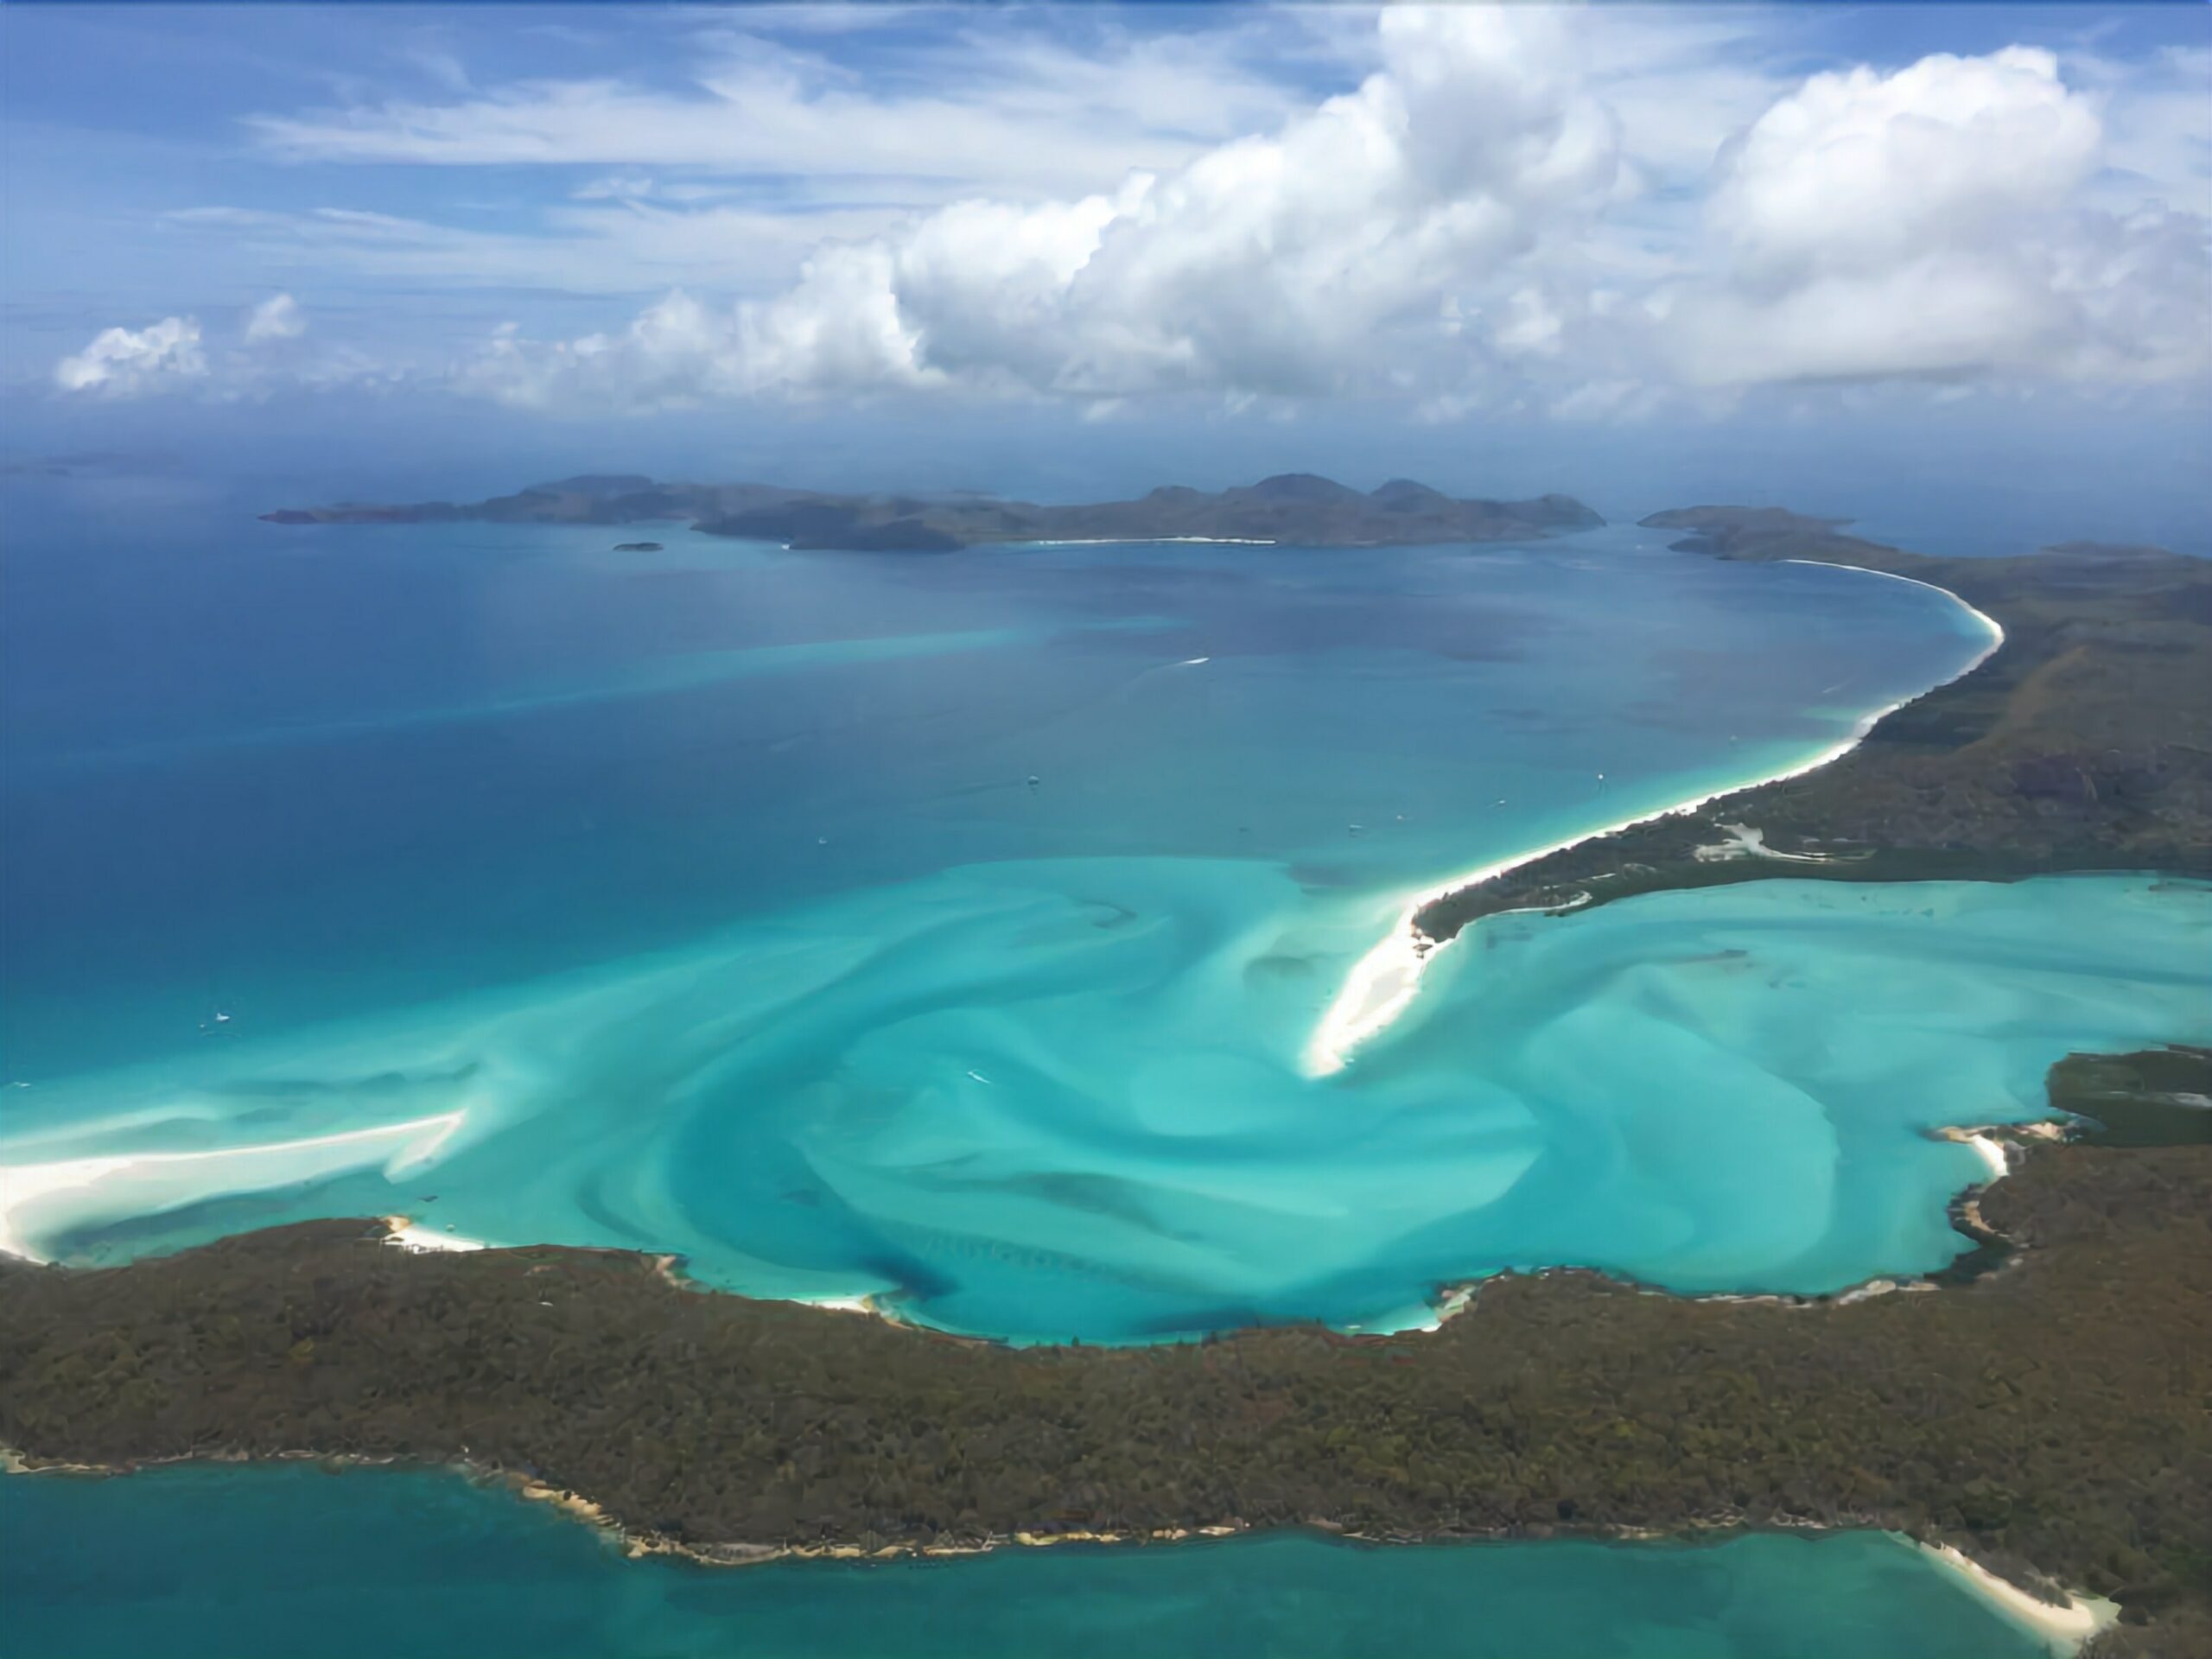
{"x": 1299, "y": 508}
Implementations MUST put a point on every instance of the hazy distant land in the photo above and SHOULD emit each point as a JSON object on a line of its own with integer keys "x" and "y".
{"x": 1298, "y": 508}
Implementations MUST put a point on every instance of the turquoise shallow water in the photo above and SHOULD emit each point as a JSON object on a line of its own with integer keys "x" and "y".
{"x": 299, "y": 777}
{"x": 255, "y": 1563}
{"x": 1064, "y": 1099}
{"x": 951, "y": 930}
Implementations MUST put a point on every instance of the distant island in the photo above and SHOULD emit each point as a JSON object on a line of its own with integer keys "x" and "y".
{"x": 1299, "y": 508}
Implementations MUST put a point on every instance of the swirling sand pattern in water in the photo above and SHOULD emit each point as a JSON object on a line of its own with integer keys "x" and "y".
{"x": 858, "y": 1008}
{"x": 1046, "y": 1100}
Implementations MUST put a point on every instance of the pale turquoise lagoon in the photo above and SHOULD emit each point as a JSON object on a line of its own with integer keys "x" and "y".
{"x": 950, "y": 929}
{"x": 276, "y": 1561}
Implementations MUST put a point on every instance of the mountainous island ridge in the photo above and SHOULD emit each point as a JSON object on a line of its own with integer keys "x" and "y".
{"x": 1300, "y": 508}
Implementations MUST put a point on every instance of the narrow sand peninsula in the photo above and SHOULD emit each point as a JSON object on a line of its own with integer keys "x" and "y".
{"x": 37, "y": 1200}
{"x": 1382, "y": 984}
{"x": 2070, "y": 1623}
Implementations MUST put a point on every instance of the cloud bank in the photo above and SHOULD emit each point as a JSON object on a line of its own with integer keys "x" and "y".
{"x": 1518, "y": 208}
{"x": 1276, "y": 265}
{"x": 130, "y": 363}
{"x": 1930, "y": 223}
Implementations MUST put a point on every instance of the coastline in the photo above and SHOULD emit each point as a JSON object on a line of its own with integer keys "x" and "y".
{"x": 2072, "y": 1622}
{"x": 1987, "y": 1141}
{"x": 2012, "y": 1467}
{"x": 1381, "y": 984}
{"x": 1149, "y": 541}
{"x": 407, "y": 1234}
{"x": 1898, "y": 1441}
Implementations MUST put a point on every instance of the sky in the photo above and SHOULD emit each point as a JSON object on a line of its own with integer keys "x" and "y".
{"x": 1854, "y": 258}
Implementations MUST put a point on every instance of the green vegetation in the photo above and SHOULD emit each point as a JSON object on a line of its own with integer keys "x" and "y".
{"x": 2084, "y": 744}
{"x": 1293, "y": 507}
{"x": 2051, "y": 1413}
{"x": 2162, "y": 1098}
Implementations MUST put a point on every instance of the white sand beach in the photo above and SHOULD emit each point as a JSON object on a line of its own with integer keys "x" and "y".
{"x": 39, "y": 1199}
{"x": 843, "y": 1304}
{"x": 1381, "y": 984}
{"x": 409, "y": 1234}
{"x": 1991, "y": 1153}
{"x": 2070, "y": 1624}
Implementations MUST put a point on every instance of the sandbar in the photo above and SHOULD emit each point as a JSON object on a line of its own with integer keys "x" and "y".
{"x": 159, "y": 1181}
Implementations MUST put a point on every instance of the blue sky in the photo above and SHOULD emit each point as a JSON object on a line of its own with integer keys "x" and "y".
{"x": 1062, "y": 250}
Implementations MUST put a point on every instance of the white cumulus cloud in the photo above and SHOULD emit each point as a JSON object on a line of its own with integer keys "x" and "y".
{"x": 278, "y": 317}
{"x": 131, "y": 363}
{"x": 1931, "y": 223}
{"x": 1599, "y": 214}
{"x": 1300, "y": 263}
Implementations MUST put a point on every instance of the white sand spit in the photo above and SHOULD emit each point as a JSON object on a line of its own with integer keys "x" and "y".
{"x": 39, "y": 1199}
{"x": 1383, "y": 983}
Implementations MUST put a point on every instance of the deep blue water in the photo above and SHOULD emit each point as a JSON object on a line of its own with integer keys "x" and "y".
{"x": 312, "y": 773}
{"x": 273, "y": 1562}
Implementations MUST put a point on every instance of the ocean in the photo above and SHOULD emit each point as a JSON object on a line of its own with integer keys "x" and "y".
{"x": 953, "y": 930}
{"x": 274, "y": 1561}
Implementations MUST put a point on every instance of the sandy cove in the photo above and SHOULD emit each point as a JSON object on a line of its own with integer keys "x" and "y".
{"x": 1992, "y": 1143}
{"x": 2072, "y": 1624}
